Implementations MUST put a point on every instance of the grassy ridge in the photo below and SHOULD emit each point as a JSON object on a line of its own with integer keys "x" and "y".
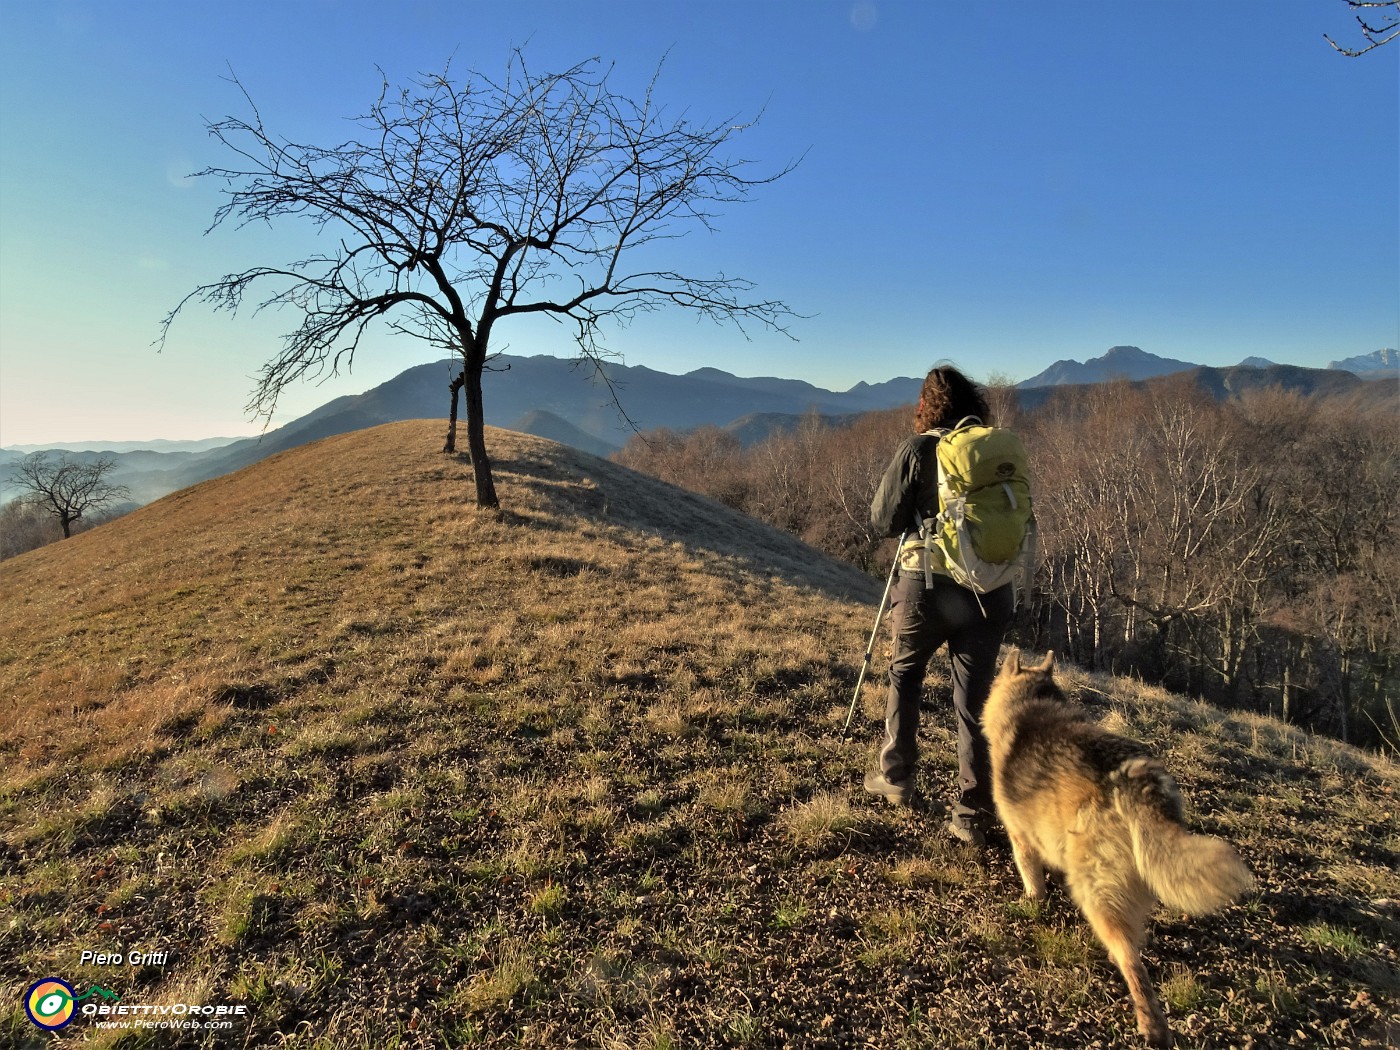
{"x": 393, "y": 772}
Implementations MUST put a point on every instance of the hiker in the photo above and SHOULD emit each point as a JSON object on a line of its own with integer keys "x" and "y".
{"x": 928, "y": 609}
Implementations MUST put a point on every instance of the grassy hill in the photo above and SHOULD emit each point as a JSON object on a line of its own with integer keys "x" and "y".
{"x": 393, "y": 773}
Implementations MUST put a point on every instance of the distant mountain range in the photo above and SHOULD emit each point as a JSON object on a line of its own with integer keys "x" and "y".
{"x": 1121, "y": 362}
{"x": 1227, "y": 383}
{"x": 1363, "y": 376}
{"x": 1382, "y": 362}
{"x": 156, "y": 445}
{"x": 545, "y": 396}
{"x": 1130, "y": 362}
{"x": 566, "y": 402}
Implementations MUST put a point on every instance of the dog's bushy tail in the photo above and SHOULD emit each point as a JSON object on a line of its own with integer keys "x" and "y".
{"x": 1196, "y": 874}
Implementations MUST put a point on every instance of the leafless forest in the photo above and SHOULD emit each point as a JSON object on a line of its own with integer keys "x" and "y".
{"x": 24, "y": 527}
{"x": 1244, "y": 551}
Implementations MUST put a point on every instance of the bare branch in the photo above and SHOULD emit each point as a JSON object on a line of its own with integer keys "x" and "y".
{"x": 1376, "y": 30}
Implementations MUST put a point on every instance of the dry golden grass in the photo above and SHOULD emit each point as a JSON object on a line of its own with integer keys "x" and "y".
{"x": 396, "y": 772}
{"x": 362, "y": 561}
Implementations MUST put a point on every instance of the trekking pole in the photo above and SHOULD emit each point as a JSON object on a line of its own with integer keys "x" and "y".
{"x": 869, "y": 649}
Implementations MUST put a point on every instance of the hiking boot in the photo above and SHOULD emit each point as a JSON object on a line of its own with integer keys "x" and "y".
{"x": 968, "y": 831}
{"x": 896, "y": 794}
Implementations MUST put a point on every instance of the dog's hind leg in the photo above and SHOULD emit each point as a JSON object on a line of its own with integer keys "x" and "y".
{"x": 1123, "y": 941}
{"x": 1029, "y": 864}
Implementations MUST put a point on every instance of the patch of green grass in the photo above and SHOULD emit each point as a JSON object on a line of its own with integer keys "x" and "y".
{"x": 1324, "y": 935}
{"x": 283, "y": 835}
{"x": 889, "y": 937}
{"x": 820, "y": 821}
{"x": 1024, "y": 908}
{"x": 730, "y": 795}
{"x": 594, "y": 822}
{"x": 790, "y": 914}
{"x": 651, "y": 801}
{"x": 116, "y": 1039}
{"x": 924, "y": 871}
{"x": 548, "y": 901}
{"x": 880, "y": 957}
{"x": 1182, "y": 990}
{"x": 1364, "y": 880}
{"x": 255, "y": 986}
{"x": 400, "y": 801}
{"x": 512, "y": 975}
{"x": 644, "y": 841}
{"x": 129, "y": 892}
{"x": 1060, "y": 947}
{"x": 50, "y": 876}
{"x": 332, "y": 740}
{"x": 243, "y": 910}
{"x": 745, "y": 1029}
{"x": 989, "y": 927}
{"x": 1272, "y": 987}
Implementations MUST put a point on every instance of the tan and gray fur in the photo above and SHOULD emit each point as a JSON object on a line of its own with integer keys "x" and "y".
{"x": 1103, "y": 811}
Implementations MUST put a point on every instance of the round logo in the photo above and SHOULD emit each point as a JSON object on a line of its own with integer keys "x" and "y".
{"x": 50, "y": 1003}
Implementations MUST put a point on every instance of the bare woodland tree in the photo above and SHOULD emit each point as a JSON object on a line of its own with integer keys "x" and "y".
{"x": 814, "y": 480}
{"x": 461, "y": 204}
{"x": 1379, "y": 21}
{"x": 67, "y": 489}
{"x": 25, "y": 528}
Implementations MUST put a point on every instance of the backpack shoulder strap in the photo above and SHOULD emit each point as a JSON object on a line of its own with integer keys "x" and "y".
{"x": 929, "y": 511}
{"x": 927, "y": 451}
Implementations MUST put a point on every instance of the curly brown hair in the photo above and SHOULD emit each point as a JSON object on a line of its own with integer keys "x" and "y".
{"x": 947, "y": 398}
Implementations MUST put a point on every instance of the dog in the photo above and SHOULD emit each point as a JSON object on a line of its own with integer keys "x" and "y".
{"x": 1105, "y": 813}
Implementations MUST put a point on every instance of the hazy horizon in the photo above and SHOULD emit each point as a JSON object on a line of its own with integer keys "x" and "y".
{"x": 155, "y": 444}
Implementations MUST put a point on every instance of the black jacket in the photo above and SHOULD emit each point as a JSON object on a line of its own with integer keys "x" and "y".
{"x": 909, "y": 485}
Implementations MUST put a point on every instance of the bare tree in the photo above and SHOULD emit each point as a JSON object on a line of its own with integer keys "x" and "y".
{"x": 67, "y": 489}
{"x": 1379, "y": 21}
{"x": 462, "y": 204}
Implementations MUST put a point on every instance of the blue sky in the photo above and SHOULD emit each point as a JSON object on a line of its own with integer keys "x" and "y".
{"x": 1003, "y": 184}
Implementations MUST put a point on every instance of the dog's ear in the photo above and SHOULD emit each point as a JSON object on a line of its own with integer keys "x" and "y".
{"x": 1047, "y": 665}
{"x": 1013, "y": 662}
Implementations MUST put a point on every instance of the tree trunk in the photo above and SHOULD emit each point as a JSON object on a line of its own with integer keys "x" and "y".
{"x": 1344, "y": 697}
{"x": 450, "y": 446}
{"x": 476, "y": 439}
{"x": 1287, "y": 714}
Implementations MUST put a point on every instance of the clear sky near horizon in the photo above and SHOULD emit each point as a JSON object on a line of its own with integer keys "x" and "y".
{"x": 992, "y": 182}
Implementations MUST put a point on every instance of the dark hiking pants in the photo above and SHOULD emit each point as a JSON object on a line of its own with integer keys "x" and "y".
{"x": 923, "y": 619}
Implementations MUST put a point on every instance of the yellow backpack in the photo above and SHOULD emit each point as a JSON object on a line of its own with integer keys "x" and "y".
{"x": 984, "y": 528}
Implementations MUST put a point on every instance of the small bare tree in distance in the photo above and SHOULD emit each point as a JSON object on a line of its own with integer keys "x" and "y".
{"x": 463, "y": 203}
{"x": 68, "y": 489}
